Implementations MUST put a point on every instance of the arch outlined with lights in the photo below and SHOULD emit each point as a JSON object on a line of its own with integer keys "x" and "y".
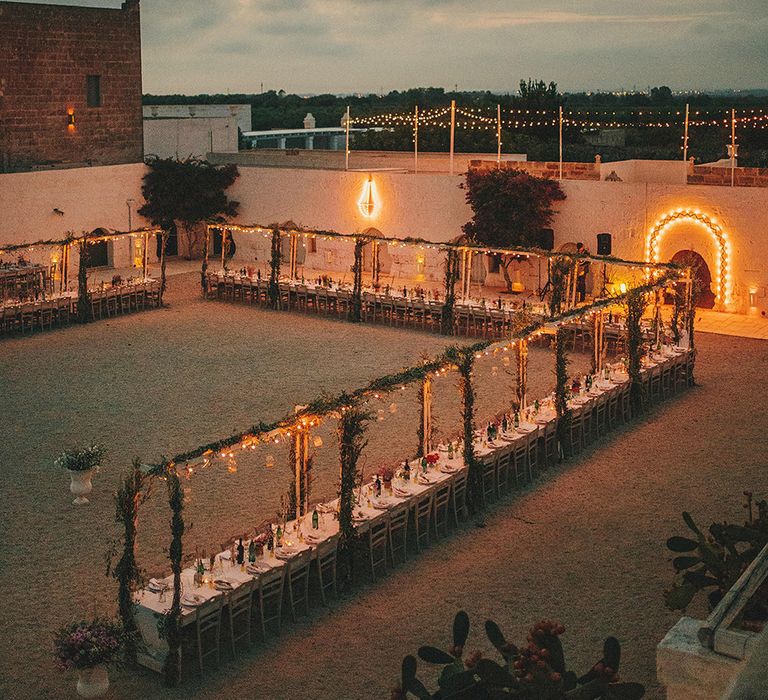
{"x": 662, "y": 226}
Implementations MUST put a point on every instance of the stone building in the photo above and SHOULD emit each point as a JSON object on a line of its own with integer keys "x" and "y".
{"x": 70, "y": 85}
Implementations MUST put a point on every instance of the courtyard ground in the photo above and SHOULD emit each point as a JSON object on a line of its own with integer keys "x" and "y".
{"x": 584, "y": 545}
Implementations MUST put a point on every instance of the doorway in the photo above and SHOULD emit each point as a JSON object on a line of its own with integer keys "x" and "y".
{"x": 701, "y": 273}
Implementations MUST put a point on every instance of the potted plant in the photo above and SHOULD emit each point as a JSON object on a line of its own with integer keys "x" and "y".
{"x": 81, "y": 463}
{"x": 88, "y": 648}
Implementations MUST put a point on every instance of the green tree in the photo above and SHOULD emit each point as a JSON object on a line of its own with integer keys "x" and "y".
{"x": 185, "y": 193}
{"x": 510, "y": 207}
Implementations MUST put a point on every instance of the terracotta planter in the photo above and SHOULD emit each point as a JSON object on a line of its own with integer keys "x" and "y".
{"x": 92, "y": 682}
{"x": 80, "y": 486}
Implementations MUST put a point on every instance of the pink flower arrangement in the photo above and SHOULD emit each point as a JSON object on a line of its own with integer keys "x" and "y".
{"x": 83, "y": 645}
{"x": 387, "y": 473}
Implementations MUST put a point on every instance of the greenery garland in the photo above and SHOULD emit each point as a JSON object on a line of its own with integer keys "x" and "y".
{"x": 356, "y": 300}
{"x": 274, "y": 270}
{"x": 327, "y": 404}
{"x": 128, "y": 497}
{"x": 70, "y": 238}
{"x": 636, "y": 303}
{"x": 172, "y": 623}
{"x": 351, "y": 430}
{"x": 561, "y": 392}
{"x": 451, "y": 275}
{"x": 478, "y": 248}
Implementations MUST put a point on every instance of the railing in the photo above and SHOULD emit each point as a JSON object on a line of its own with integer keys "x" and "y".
{"x": 716, "y": 633}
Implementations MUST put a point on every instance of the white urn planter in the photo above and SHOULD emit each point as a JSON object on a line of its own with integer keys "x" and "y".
{"x": 80, "y": 485}
{"x": 92, "y": 682}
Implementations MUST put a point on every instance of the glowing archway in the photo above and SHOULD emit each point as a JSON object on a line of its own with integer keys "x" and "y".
{"x": 657, "y": 231}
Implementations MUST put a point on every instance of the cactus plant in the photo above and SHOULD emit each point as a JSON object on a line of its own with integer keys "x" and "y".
{"x": 535, "y": 671}
{"x": 716, "y": 559}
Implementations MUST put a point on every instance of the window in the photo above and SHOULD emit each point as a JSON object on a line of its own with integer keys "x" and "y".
{"x": 93, "y": 90}
{"x": 494, "y": 263}
{"x": 312, "y": 244}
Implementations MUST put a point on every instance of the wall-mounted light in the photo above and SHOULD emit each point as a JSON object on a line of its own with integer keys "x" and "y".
{"x": 753, "y": 297}
{"x": 367, "y": 202}
{"x": 71, "y": 120}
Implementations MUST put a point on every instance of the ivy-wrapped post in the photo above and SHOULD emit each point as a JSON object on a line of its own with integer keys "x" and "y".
{"x": 425, "y": 410}
{"x": 451, "y": 275}
{"x": 84, "y": 310}
{"x": 145, "y": 256}
{"x": 375, "y": 265}
{"x": 561, "y": 393}
{"x": 521, "y": 374}
{"x": 299, "y": 462}
{"x": 294, "y": 252}
{"x": 172, "y": 626}
{"x": 224, "y": 243}
{"x": 356, "y": 301}
{"x": 465, "y": 361}
{"x": 64, "y": 267}
{"x": 636, "y": 303}
{"x": 204, "y": 266}
{"x": 128, "y": 497}
{"x": 598, "y": 341}
{"x": 163, "y": 246}
{"x": 274, "y": 270}
{"x": 692, "y": 299}
{"x": 559, "y": 275}
{"x": 351, "y": 432}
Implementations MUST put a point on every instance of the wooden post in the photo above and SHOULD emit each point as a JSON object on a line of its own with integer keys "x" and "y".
{"x": 522, "y": 373}
{"x": 733, "y": 147}
{"x": 163, "y": 244}
{"x": 64, "y": 265}
{"x": 305, "y": 469}
{"x": 346, "y": 147}
{"x": 356, "y": 301}
{"x": 298, "y": 443}
{"x": 451, "y": 273}
{"x": 375, "y": 263}
{"x": 204, "y": 266}
{"x": 145, "y": 256}
{"x": 84, "y": 311}
{"x": 498, "y": 134}
{"x": 426, "y": 417}
{"x": 453, "y": 130}
{"x": 685, "y": 134}
{"x": 294, "y": 256}
{"x": 560, "y": 129}
{"x": 416, "y": 140}
{"x": 223, "y": 249}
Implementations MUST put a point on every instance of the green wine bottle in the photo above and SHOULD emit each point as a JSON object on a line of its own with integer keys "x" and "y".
{"x": 315, "y": 519}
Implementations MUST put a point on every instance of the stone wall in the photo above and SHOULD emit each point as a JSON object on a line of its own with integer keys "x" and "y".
{"x": 713, "y": 175}
{"x": 550, "y": 170}
{"x": 47, "y": 53}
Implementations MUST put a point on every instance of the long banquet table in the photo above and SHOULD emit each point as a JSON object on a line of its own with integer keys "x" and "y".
{"x": 394, "y": 306}
{"x": 59, "y": 309}
{"x": 450, "y": 473}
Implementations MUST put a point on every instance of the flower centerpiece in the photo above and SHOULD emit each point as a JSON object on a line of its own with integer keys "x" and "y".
{"x": 387, "y": 474}
{"x": 88, "y": 647}
{"x": 433, "y": 459}
{"x": 81, "y": 463}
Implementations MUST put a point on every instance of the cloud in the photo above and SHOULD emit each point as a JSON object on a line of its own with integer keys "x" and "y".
{"x": 366, "y": 45}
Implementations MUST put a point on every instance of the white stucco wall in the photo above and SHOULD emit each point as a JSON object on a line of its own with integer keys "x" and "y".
{"x": 428, "y": 205}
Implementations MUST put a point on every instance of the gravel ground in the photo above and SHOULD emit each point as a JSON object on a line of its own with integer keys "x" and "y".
{"x": 585, "y": 545}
